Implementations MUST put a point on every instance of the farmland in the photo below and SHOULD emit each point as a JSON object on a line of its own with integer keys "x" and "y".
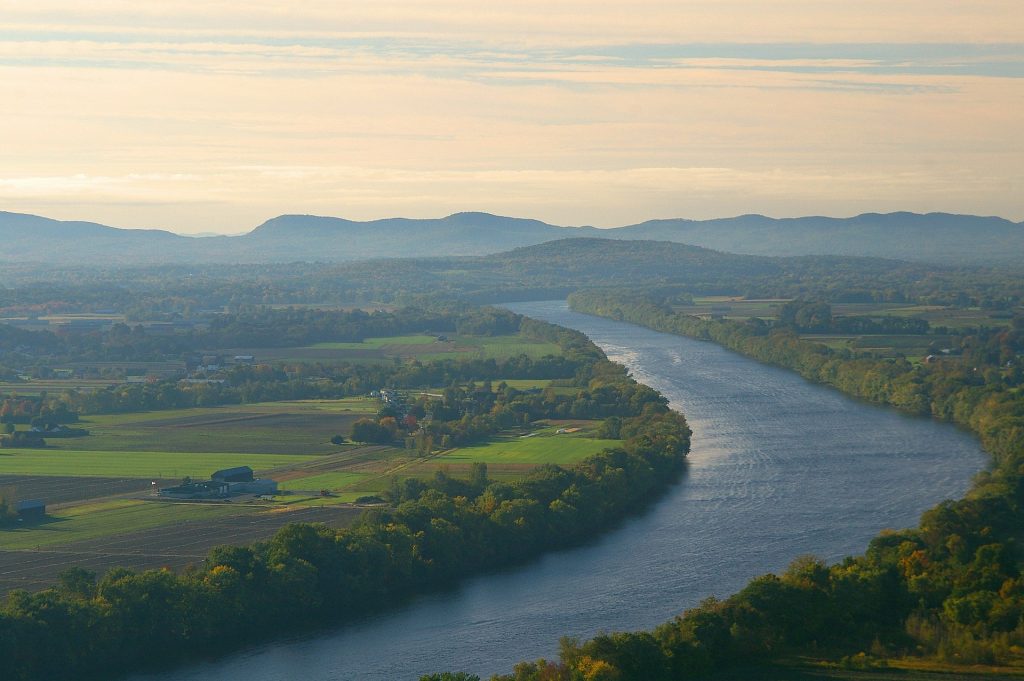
{"x": 733, "y": 307}
{"x": 131, "y": 464}
{"x": 175, "y": 544}
{"x": 98, "y": 488}
{"x": 544, "y": 447}
{"x": 913, "y": 346}
{"x": 422, "y": 347}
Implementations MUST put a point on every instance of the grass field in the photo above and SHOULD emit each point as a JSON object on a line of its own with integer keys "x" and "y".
{"x": 330, "y": 481}
{"x": 376, "y": 343}
{"x": 422, "y": 347}
{"x": 733, "y": 307}
{"x": 559, "y": 449}
{"x": 89, "y": 521}
{"x": 97, "y": 487}
{"x": 54, "y": 386}
{"x": 128, "y": 464}
{"x": 301, "y": 427}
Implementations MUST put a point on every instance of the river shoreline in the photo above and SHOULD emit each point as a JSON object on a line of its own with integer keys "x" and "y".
{"x": 770, "y": 451}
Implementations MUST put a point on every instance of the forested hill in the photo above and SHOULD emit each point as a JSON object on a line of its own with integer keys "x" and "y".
{"x": 556, "y": 268}
{"x": 544, "y": 271}
{"x": 936, "y": 237}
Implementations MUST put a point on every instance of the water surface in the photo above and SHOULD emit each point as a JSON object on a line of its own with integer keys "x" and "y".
{"x": 780, "y": 467}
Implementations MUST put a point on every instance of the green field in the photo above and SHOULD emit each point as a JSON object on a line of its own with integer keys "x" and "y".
{"x": 733, "y": 307}
{"x": 128, "y": 464}
{"x": 422, "y": 346}
{"x": 330, "y": 481}
{"x": 541, "y": 449}
{"x": 300, "y": 427}
{"x": 98, "y": 520}
{"x": 377, "y": 343}
{"x": 501, "y": 347}
{"x": 524, "y": 383}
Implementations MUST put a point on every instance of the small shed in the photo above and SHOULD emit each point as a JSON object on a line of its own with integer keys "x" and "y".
{"x": 236, "y": 474}
{"x": 31, "y": 509}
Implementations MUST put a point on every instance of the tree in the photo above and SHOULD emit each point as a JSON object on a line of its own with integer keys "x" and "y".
{"x": 337, "y": 440}
{"x": 368, "y": 430}
{"x": 478, "y": 476}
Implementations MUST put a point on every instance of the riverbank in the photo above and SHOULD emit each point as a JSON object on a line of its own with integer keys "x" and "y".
{"x": 952, "y": 588}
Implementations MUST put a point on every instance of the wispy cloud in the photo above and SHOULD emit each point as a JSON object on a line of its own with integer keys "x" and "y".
{"x": 572, "y": 111}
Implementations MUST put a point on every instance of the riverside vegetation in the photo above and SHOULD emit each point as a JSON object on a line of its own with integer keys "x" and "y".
{"x": 431, "y": 532}
{"x": 950, "y": 589}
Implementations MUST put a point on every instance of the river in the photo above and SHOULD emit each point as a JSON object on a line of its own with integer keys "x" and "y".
{"x": 779, "y": 467}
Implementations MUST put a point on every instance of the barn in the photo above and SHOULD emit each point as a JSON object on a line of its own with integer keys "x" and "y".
{"x": 236, "y": 474}
{"x": 31, "y": 509}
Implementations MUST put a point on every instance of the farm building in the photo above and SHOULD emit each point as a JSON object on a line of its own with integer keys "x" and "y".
{"x": 236, "y": 474}
{"x": 223, "y": 483}
{"x": 204, "y": 489}
{"x": 31, "y": 509}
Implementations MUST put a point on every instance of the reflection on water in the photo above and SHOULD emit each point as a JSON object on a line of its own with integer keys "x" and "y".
{"x": 779, "y": 468}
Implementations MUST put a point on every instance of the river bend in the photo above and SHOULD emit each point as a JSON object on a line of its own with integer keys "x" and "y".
{"x": 780, "y": 467}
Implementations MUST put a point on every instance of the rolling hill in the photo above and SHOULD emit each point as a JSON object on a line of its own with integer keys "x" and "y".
{"x": 935, "y": 237}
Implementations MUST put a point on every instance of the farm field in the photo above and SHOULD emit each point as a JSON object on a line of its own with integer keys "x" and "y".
{"x": 540, "y": 447}
{"x": 55, "y": 386}
{"x": 732, "y": 307}
{"x": 421, "y": 347}
{"x": 98, "y": 487}
{"x": 301, "y": 427}
{"x": 909, "y": 345}
{"x": 132, "y": 464}
{"x": 330, "y": 481}
{"x": 57, "y": 490}
{"x": 171, "y": 545}
{"x": 100, "y": 519}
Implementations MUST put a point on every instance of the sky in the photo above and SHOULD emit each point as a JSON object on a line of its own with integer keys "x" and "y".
{"x": 214, "y": 116}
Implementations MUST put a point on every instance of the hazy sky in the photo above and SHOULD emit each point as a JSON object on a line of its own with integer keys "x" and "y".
{"x": 216, "y": 115}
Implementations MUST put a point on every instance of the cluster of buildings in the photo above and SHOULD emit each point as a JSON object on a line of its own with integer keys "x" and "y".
{"x": 224, "y": 483}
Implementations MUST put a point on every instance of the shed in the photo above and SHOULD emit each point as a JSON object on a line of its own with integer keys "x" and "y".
{"x": 31, "y": 509}
{"x": 236, "y": 474}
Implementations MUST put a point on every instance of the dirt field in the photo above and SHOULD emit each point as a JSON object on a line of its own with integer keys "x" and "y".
{"x": 173, "y": 546}
{"x": 56, "y": 490}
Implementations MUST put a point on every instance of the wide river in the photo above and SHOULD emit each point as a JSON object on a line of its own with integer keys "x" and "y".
{"x": 779, "y": 468}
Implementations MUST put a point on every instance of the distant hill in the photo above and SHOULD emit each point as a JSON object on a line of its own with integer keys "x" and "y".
{"x": 935, "y": 237}
{"x": 556, "y": 268}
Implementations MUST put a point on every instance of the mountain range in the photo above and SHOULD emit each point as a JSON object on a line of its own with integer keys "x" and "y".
{"x": 933, "y": 237}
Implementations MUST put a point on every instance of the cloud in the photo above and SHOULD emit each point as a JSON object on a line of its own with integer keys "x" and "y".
{"x": 572, "y": 112}
{"x": 576, "y": 21}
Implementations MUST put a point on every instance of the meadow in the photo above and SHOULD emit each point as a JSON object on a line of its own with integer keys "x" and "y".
{"x": 913, "y": 346}
{"x": 100, "y": 497}
{"x": 89, "y": 521}
{"x": 422, "y": 347}
{"x": 134, "y": 464}
{"x": 558, "y": 449}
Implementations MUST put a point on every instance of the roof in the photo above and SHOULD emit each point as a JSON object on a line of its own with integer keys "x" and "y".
{"x": 233, "y": 474}
{"x": 29, "y": 504}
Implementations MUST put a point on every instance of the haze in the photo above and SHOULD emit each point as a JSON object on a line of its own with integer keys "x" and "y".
{"x": 213, "y": 116}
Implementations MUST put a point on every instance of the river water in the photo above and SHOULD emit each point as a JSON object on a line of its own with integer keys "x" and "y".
{"x": 779, "y": 467}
